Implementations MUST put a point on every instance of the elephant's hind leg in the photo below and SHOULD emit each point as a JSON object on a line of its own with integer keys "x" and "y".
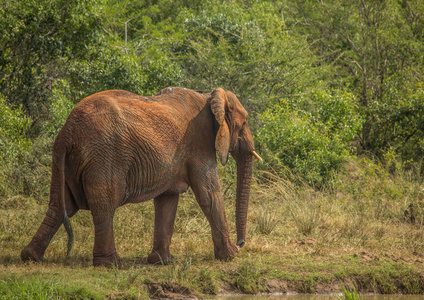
{"x": 104, "y": 195}
{"x": 165, "y": 211}
{"x": 104, "y": 251}
{"x": 54, "y": 218}
{"x": 34, "y": 251}
{"x": 103, "y": 201}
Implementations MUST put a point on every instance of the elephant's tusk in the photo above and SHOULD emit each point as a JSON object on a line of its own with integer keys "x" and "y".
{"x": 256, "y": 155}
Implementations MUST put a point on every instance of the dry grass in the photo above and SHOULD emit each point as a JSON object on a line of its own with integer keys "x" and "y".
{"x": 365, "y": 210}
{"x": 299, "y": 239}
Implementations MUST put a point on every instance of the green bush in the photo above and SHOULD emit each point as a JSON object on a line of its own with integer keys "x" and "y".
{"x": 398, "y": 119}
{"x": 160, "y": 73}
{"x": 60, "y": 106}
{"x": 246, "y": 51}
{"x": 105, "y": 69}
{"x": 13, "y": 127}
{"x": 25, "y": 164}
{"x": 37, "y": 38}
{"x": 13, "y": 142}
{"x": 311, "y": 139}
{"x": 336, "y": 109}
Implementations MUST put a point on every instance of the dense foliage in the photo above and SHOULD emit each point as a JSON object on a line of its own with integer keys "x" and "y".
{"x": 311, "y": 137}
{"x": 322, "y": 80}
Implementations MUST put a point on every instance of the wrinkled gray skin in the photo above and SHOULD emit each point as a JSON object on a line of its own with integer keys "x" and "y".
{"x": 117, "y": 147}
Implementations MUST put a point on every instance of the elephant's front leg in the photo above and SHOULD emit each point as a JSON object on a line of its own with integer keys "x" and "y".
{"x": 208, "y": 194}
{"x": 165, "y": 211}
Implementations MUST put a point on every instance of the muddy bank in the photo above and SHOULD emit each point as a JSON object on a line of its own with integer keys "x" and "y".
{"x": 276, "y": 287}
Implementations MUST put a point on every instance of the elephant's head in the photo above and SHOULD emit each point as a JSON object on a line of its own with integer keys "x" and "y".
{"x": 234, "y": 137}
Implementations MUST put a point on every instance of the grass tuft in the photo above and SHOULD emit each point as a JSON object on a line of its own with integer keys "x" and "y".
{"x": 36, "y": 288}
{"x": 266, "y": 220}
{"x": 350, "y": 294}
{"x": 248, "y": 278}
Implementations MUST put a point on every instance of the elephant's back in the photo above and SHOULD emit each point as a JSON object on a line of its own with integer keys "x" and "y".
{"x": 120, "y": 128}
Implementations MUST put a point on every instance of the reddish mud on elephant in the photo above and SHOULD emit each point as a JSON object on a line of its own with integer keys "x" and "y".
{"x": 117, "y": 147}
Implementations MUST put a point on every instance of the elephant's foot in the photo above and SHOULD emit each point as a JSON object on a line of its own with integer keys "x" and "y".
{"x": 226, "y": 253}
{"x": 158, "y": 257}
{"x": 30, "y": 254}
{"x": 112, "y": 260}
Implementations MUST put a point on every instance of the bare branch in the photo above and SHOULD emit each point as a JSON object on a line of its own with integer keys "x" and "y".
{"x": 352, "y": 62}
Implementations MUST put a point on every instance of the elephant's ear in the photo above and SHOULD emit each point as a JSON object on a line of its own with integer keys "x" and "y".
{"x": 219, "y": 104}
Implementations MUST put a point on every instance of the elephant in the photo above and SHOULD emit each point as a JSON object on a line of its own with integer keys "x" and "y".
{"x": 117, "y": 147}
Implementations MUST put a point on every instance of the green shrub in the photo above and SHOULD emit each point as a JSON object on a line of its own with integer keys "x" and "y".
{"x": 59, "y": 109}
{"x": 105, "y": 69}
{"x": 311, "y": 137}
{"x": 398, "y": 119}
{"x": 336, "y": 109}
{"x": 13, "y": 142}
{"x": 160, "y": 73}
{"x": 13, "y": 127}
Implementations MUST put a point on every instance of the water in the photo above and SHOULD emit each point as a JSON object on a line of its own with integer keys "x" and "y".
{"x": 316, "y": 297}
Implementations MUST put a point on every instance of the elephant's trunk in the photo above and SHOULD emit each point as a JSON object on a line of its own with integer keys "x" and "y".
{"x": 244, "y": 179}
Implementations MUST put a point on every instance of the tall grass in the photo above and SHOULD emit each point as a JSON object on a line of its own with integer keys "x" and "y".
{"x": 267, "y": 219}
{"x": 364, "y": 207}
{"x": 299, "y": 202}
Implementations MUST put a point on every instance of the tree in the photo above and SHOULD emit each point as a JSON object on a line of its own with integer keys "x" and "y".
{"x": 37, "y": 37}
{"x": 378, "y": 45}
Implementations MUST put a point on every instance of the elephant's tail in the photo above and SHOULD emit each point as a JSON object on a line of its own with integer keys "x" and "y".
{"x": 68, "y": 227}
{"x": 66, "y": 221}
